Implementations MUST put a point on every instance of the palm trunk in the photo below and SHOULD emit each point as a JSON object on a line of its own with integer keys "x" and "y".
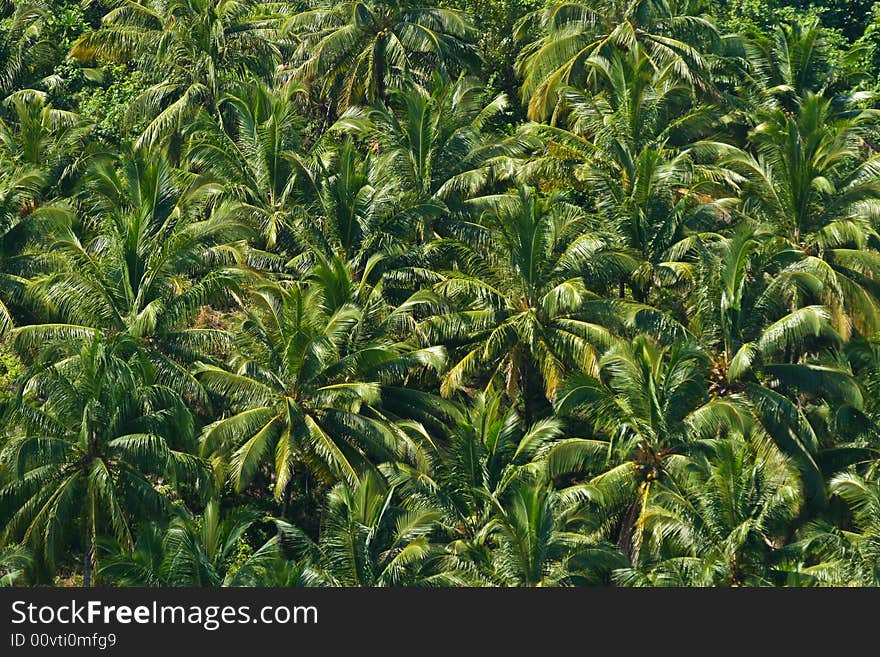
{"x": 89, "y": 552}
{"x": 525, "y": 392}
{"x": 87, "y": 565}
{"x": 88, "y": 556}
{"x": 628, "y": 526}
{"x": 380, "y": 69}
{"x": 285, "y": 499}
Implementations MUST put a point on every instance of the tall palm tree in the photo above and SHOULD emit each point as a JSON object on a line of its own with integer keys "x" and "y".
{"x": 791, "y": 62}
{"x": 15, "y": 565}
{"x": 537, "y": 540}
{"x": 41, "y": 138}
{"x": 844, "y": 553}
{"x": 307, "y": 388}
{"x": 22, "y": 224}
{"x": 503, "y": 517}
{"x": 367, "y": 539}
{"x": 469, "y": 473}
{"x": 38, "y": 151}
{"x": 432, "y": 151}
{"x": 143, "y": 266}
{"x": 647, "y": 409}
{"x": 760, "y": 311}
{"x": 355, "y": 51}
{"x": 257, "y": 158}
{"x": 562, "y": 37}
{"x": 439, "y": 145}
{"x": 323, "y": 200}
{"x": 637, "y": 147}
{"x": 201, "y": 45}
{"x": 25, "y": 46}
{"x": 351, "y": 209}
{"x": 513, "y": 302}
{"x": 92, "y": 438}
{"x": 721, "y": 522}
{"x": 809, "y": 168}
{"x": 190, "y": 551}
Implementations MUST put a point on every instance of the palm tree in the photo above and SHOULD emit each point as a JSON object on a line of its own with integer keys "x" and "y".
{"x": 356, "y": 212}
{"x": 844, "y": 553}
{"x": 357, "y": 50}
{"x": 432, "y": 151}
{"x": 810, "y": 171}
{"x": 144, "y": 266}
{"x": 647, "y": 409}
{"x": 307, "y": 203}
{"x": 89, "y": 444}
{"x": 759, "y": 310}
{"x": 189, "y": 551}
{"x": 257, "y": 159}
{"x": 466, "y": 476}
{"x": 792, "y": 62}
{"x": 513, "y": 303}
{"x": 439, "y": 146}
{"x": 37, "y": 147}
{"x": 25, "y": 46}
{"x": 721, "y": 522}
{"x": 366, "y": 539}
{"x": 37, "y": 152}
{"x": 811, "y": 184}
{"x": 22, "y": 224}
{"x": 853, "y": 429}
{"x": 311, "y": 383}
{"x": 200, "y": 45}
{"x": 15, "y": 565}
{"x": 538, "y": 540}
{"x": 41, "y": 139}
{"x": 637, "y": 147}
{"x": 562, "y": 37}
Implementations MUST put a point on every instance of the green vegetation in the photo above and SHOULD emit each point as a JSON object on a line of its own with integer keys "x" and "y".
{"x": 478, "y": 293}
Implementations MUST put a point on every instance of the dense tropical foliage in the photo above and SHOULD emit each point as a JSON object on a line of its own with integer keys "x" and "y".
{"x": 462, "y": 293}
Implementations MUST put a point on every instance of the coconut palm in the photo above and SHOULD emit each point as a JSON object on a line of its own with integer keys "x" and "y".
{"x": 42, "y": 139}
{"x": 537, "y": 539}
{"x": 859, "y": 430}
{"x": 466, "y": 476}
{"x": 562, "y": 37}
{"x": 791, "y": 62}
{"x": 440, "y": 145}
{"x": 645, "y": 411}
{"x": 200, "y": 45}
{"x": 721, "y": 522}
{"x": 189, "y": 551}
{"x": 361, "y": 212}
{"x": 356, "y": 51}
{"x": 92, "y": 438}
{"x": 326, "y": 200}
{"x": 843, "y": 553}
{"x": 514, "y": 302}
{"x": 806, "y": 177}
{"x": 432, "y": 151}
{"x": 308, "y": 389}
{"x": 352, "y": 210}
{"x": 759, "y": 309}
{"x": 22, "y": 224}
{"x": 15, "y": 565}
{"x": 25, "y": 47}
{"x": 637, "y": 148}
{"x": 37, "y": 150}
{"x": 367, "y": 539}
{"x": 144, "y": 266}
{"x": 257, "y": 161}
